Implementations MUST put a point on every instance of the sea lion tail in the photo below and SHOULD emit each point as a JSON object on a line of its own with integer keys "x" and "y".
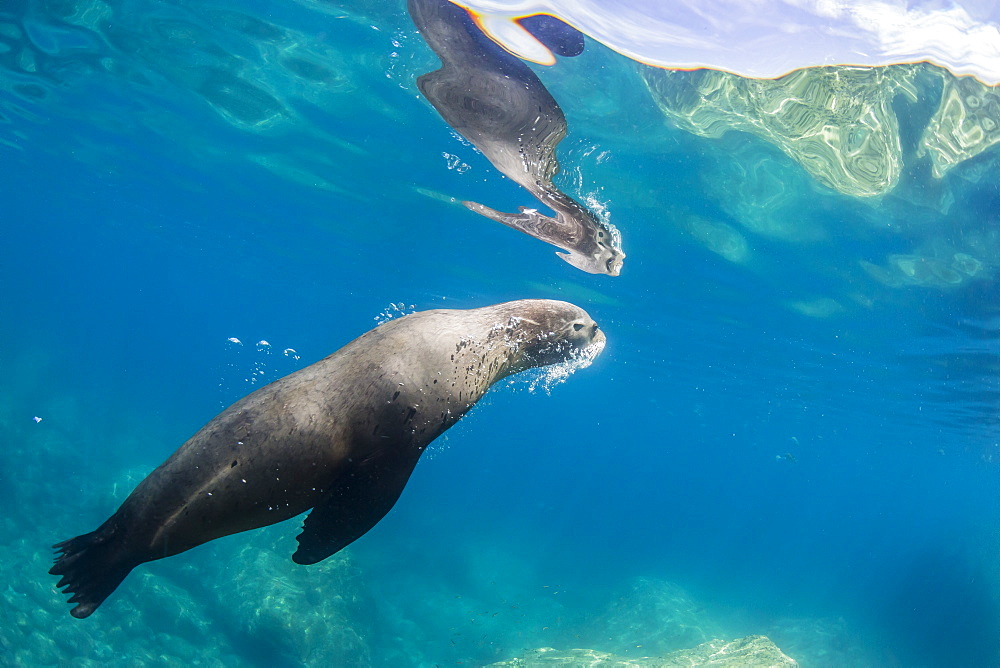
{"x": 91, "y": 568}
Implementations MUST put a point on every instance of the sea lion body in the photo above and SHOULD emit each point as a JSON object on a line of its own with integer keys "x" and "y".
{"x": 340, "y": 436}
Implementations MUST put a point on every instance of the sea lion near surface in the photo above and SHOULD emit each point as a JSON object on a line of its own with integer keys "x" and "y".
{"x": 496, "y": 102}
{"x": 340, "y": 437}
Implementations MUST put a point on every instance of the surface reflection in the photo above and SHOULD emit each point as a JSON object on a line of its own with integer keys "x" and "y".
{"x": 497, "y": 103}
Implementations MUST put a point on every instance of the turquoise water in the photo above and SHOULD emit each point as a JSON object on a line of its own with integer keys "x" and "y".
{"x": 176, "y": 174}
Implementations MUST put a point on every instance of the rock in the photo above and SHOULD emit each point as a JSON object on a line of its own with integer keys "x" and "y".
{"x": 306, "y": 616}
{"x": 652, "y": 617}
{"x": 827, "y": 642}
{"x": 756, "y": 651}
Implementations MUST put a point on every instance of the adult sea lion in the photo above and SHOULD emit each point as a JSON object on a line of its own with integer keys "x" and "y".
{"x": 496, "y": 102}
{"x": 340, "y": 436}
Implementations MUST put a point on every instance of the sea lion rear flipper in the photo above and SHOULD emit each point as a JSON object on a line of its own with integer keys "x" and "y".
{"x": 357, "y": 500}
{"x": 91, "y": 567}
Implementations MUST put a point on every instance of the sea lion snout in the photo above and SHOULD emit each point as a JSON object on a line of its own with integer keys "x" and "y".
{"x": 586, "y": 332}
{"x": 597, "y": 337}
{"x": 592, "y": 344}
{"x": 567, "y": 333}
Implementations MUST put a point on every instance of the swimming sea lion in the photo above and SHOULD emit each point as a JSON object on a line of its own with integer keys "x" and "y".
{"x": 496, "y": 102}
{"x": 340, "y": 436}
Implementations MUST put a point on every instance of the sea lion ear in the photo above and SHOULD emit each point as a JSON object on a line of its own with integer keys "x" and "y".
{"x": 361, "y": 496}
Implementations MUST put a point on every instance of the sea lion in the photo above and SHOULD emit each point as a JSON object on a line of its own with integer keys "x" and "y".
{"x": 340, "y": 436}
{"x": 496, "y": 102}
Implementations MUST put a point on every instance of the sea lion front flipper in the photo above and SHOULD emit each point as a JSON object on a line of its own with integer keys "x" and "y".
{"x": 592, "y": 253}
{"x": 555, "y": 34}
{"x": 529, "y": 221}
{"x": 355, "y": 503}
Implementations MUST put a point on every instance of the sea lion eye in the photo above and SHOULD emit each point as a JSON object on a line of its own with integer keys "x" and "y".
{"x": 577, "y": 326}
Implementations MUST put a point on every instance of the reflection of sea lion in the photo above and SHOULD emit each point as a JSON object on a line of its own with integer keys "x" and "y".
{"x": 341, "y": 437}
{"x": 497, "y": 103}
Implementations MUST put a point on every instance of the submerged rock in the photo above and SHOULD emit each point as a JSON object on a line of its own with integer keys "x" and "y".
{"x": 652, "y": 617}
{"x": 827, "y": 642}
{"x": 307, "y": 616}
{"x": 756, "y": 651}
{"x": 749, "y": 651}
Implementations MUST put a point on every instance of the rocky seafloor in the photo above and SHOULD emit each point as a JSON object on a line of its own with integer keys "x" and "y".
{"x": 241, "y": 601}
{"x": 248, "y": 605}
{"x": 750, "y": 651}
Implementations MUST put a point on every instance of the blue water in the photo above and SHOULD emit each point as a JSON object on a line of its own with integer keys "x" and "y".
{"x": 173, "y": 175}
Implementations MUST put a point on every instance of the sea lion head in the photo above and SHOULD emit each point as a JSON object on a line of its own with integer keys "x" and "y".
{"x": 603, "y": 259}
{"x": 551, "y": 332}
